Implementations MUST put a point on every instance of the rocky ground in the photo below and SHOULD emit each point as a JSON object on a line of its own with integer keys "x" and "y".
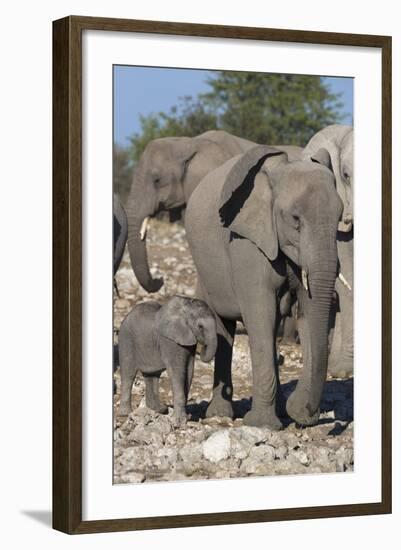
{"x": 147, "y": 447}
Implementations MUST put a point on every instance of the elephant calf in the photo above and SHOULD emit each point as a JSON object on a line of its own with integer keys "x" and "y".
{"x": 154, "y": 338}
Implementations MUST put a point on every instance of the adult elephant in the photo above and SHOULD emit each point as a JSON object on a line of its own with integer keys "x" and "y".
{"x": 338, "y": 140}
{"x": 249, "y": 223}
{"x": 167, "y": 173}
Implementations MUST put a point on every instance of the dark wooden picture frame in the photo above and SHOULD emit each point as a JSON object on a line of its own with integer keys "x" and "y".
{"x": 67, "y": 274}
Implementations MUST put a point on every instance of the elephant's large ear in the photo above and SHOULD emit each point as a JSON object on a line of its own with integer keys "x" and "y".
{"x": 322, "y": 156}
{"x": 185, "y": 149}
{"x": 171, "y": 322}
{"x": 246, "y": 200}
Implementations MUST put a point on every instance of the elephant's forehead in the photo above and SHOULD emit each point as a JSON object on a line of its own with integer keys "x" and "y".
{"x": 313, "y": 188}
{"x": 161, "y": 147}
{"x": 306, "y": 172}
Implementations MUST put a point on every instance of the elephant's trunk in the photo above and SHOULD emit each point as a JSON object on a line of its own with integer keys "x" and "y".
{"x": 139, "y": 208}
{"x": 315, "y": 304}
{"x": 209, "y": 342}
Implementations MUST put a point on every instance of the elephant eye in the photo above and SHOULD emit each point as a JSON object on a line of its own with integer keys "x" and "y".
{"x": 297, "y": 223}
{"x": 156, "y": 180}
{"x": 347, "y": 177}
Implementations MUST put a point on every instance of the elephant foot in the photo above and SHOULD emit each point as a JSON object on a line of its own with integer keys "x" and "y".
{"x": 153, "y": 403}
{"x": 344, "y": 368}
{"x": 161, "y": 408}
{"x": 300, "y": 411}
{"x": 179, "y": 420}
{"x": 219, "y": 406}
{"x": 263, "y": 417}
{"x": 125, "y": 410}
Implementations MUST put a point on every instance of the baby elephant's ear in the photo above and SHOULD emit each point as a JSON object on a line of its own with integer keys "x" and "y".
{"x": 174, "y": 327}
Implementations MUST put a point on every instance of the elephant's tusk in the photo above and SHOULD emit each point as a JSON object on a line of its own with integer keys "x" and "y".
{"x": 305, "y": 280}
{"x": 144, "y": 228}
{"x": 344, "y": 281}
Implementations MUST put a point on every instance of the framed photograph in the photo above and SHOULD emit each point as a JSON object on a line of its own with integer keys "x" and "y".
{"x": 222, "y": 349}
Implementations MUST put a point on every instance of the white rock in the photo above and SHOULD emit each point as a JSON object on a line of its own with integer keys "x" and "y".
{"x": 142, "y": 404}
{"x": 217, "y": 446}
{"x": 302, "y": 457}
{"x": 259, "y": 461}
{"x": 281, "y": 452}
{"x": 132, "y": 477}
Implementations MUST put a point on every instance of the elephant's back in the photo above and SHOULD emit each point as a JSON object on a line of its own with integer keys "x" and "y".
{"x": 139, "y": 322}
{"x": 233, "y": 145}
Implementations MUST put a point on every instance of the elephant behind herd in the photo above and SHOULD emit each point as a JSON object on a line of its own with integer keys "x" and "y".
{"x": 271, "y": 210}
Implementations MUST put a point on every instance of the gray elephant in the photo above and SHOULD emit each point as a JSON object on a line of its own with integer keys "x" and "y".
{"x": 252, "y": 224}
{"x": 154, "y": 338}
{"x": 120, "y": 232}
{"x": 167, "y": 173}
{"x": 338, "y": 140}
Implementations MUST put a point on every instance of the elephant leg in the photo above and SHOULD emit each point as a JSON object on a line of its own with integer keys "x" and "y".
{"x": 128, "y": 372}
{"x": 256, "y": 285}
{"x": 175, "y": 359}
{"x": 342, "y": 362}
{"x": 280, "y": 399}
{"x": 290, "y": 331}
{"x": 264, "y": 365}
{"x": 221, "y": 402}
{"x": 335, "y": 345}
{"x": 152, "y": 394}
{"x": 178, "y": 377}
{"x": 189, "y": 376}
{"x": 116, "y": 362}
{"x": 341, "y": 359}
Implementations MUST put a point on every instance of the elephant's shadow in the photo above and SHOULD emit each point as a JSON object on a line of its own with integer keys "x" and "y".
{"x": 337, "y": 404}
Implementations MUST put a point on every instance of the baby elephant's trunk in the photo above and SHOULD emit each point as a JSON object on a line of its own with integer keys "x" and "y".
{"x": 209, "y": 340}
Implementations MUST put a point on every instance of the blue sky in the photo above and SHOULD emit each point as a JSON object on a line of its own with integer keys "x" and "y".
{"x": 144, "y": 90}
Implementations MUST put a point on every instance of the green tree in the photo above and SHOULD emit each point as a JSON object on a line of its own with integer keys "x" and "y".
{"x": 190, "y": 118}
{"x": 272, "y": 108}
{"x": 122, "y": 170}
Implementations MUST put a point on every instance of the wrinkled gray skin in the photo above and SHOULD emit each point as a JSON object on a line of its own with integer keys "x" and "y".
{"x": 167, "y": 173}
{"x": 251, "y": 224}
{"x": 154, "y": 338}
{"x": 120, "y": 232}
{"x": 338, "y": 140}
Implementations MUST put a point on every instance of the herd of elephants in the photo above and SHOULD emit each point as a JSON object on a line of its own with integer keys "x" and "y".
{"x": 270, "y": 230}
